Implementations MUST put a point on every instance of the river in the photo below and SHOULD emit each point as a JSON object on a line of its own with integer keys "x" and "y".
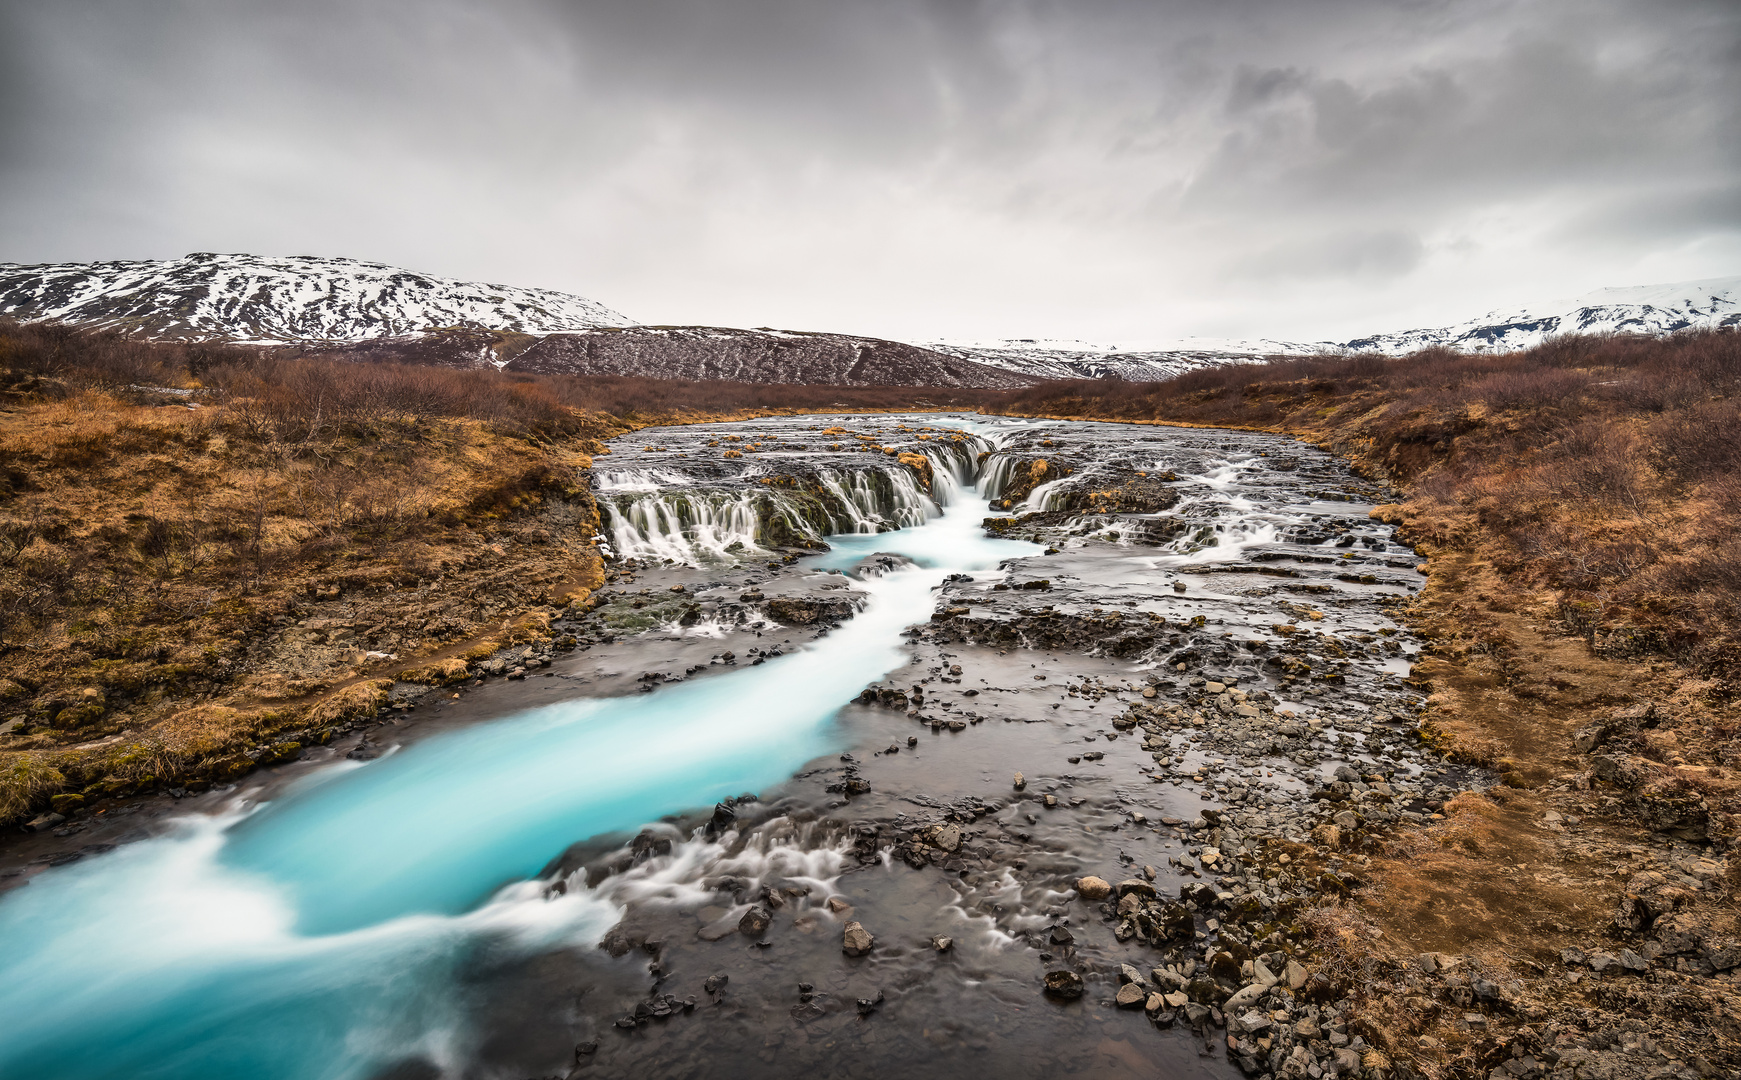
{"x": 438, "y": 911}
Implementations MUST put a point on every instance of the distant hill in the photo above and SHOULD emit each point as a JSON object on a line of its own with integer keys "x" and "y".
{"x": 762, "y": 356}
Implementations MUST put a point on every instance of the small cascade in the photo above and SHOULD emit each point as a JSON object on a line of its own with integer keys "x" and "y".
{"x": 1047, "y": 496}
{"x": 638, "y": 479}
{"x": 855, "y": 494}
{"x": 687, "y": 526}
{"x": 999, "y": 470}
{"x": 661, "y": 512}
{"x": 878, "y": 500}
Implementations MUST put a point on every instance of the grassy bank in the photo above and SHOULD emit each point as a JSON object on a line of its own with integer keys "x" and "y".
{"x": 211, "y": 557}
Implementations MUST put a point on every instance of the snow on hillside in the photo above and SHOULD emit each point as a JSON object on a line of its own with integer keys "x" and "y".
{"x": 1637, "y": 309}
{"x": 1641, "y": 309}
{"x": 266, "y": 299}
{"x": 1135, "y": 361}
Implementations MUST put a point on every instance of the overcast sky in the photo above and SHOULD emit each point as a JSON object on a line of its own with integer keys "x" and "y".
{"x": 1098, "y": 169}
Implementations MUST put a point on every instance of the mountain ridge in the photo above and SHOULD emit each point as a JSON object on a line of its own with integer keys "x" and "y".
{"x": 372, "y": 311}
{"x": 1640, "y": 309}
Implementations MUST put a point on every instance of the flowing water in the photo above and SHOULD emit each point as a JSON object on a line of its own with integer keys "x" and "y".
{"x": 435, "y": 912}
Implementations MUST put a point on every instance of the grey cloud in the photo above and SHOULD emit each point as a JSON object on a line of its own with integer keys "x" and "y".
{"x": 896, "y": 166}
{"x": 1358, "y": 255}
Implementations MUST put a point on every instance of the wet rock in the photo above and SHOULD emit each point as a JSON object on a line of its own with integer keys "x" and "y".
{"x": 723, "y": 817}
{"x": 866, "y": 1006}
{"x": 947, "y": 837}
{"x": 1131, "y": 996}
{"x": 855, "y": 940}
{"x": 756, "y": 921}
{"x": 1020, "y": 782}
{"x": 798, "y": 611}
{"x": 1093, "y": 888}
{"x": 1205, "y": 991}
{"x": 1061, "y": 935}
{"x": 713, "y": 984}
{"x": 1064, "y": 984}
{"x": 942, "y": 943}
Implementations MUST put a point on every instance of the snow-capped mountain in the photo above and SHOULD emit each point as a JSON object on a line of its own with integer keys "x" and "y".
{"x": 1641, "y": 309}
{"x": 1637, "y": 309}
{"x": 1134, "y": 362}
{"x": 268, "y": 299}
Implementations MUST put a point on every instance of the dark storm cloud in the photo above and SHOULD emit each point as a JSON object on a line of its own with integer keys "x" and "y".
{"x": 906, "y": 166}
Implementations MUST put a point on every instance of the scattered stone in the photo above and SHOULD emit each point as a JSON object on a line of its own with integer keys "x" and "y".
{"x": 756, "y": 920}
{"x": 855, "y": 940}
{"x": 1064, "y": 984}
{"x": 1093, "y": 888}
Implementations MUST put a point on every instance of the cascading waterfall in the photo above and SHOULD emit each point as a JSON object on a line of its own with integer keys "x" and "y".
{"x": 685, "y": 527}
{"x": 696, "y": 526}
{"x": 638, "y": 479}
{"x": 1000, "y": 469}
{"x": 1046, "y": 496}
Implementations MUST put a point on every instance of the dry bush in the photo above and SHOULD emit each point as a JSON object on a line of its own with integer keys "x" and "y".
{"x": 26, "y": 779}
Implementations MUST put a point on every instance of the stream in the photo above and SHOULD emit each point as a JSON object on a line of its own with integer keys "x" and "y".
{"x": 826, "y": 638}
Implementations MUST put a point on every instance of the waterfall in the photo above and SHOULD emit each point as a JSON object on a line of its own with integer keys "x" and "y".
{"x": 1044, "y": 497}
{"x": 695, "y": 526}
{"x": 686, "y": 527}
{"x": 999, "y": 468}
{"x": 638, "y": 479}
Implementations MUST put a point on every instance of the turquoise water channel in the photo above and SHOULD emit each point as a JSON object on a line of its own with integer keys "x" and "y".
{"x": 327, "y": 933}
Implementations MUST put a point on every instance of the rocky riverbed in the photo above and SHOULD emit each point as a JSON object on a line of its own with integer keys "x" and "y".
{"x": 1097, "y": 819}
